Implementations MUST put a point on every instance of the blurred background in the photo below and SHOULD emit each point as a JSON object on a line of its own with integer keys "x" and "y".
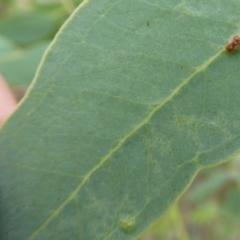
{"x": 26, "y": 29}
{"x": 209, "y": 210}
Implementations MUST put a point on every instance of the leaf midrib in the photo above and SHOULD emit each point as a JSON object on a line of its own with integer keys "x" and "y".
{"x": 123, "y": 140}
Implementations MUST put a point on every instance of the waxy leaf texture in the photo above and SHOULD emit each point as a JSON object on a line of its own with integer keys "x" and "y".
{"x": 130, "y": 101}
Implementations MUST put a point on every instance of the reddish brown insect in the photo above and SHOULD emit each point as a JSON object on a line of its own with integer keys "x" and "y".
{"x": 233, "y": 44}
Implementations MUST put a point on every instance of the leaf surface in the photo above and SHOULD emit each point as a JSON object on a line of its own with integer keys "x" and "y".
{"x": 132, "y": 99}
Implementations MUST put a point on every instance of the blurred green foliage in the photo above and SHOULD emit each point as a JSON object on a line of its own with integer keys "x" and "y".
{"x": 26, "y": 29}
{"x": 208, "y": 210}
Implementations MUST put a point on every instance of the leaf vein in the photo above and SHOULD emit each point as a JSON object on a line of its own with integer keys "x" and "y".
{"x": 156, "y": 108}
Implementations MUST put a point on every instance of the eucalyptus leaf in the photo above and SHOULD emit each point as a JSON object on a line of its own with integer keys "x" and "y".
{"x": 132, "y": 99}
{"x": 6, "y": 46}
{"x": 27, "y": 28}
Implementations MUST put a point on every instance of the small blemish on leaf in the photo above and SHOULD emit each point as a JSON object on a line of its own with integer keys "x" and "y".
{"x": 128, "y": 224}
{"x": 148, "y": 24}
{"x": 233, "y": 44}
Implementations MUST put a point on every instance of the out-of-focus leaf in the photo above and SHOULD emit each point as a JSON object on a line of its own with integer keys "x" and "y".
{"x": 6, "y": 46}
{"x": 27, "y": 28}
{"x": 206, "y": 188}
{"x": 232, "y": 202}
{"x": 205, "y": 214}
{"x": 171, "y": 224}
{"x": 19, "y": 66}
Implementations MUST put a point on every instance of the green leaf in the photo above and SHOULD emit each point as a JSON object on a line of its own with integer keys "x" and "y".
{"x": 232, "y": 202}
{"x": 27, "y": 28}
{"x": 205, "y": 214}
{"x": 19, "y": 66}
{"x": 212, "y": 185}
{"x": 6, "y": 46}
{"x": 131, "y": 101}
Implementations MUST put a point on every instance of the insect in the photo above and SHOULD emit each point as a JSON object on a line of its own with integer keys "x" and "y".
{"x": 233, "y": 44}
